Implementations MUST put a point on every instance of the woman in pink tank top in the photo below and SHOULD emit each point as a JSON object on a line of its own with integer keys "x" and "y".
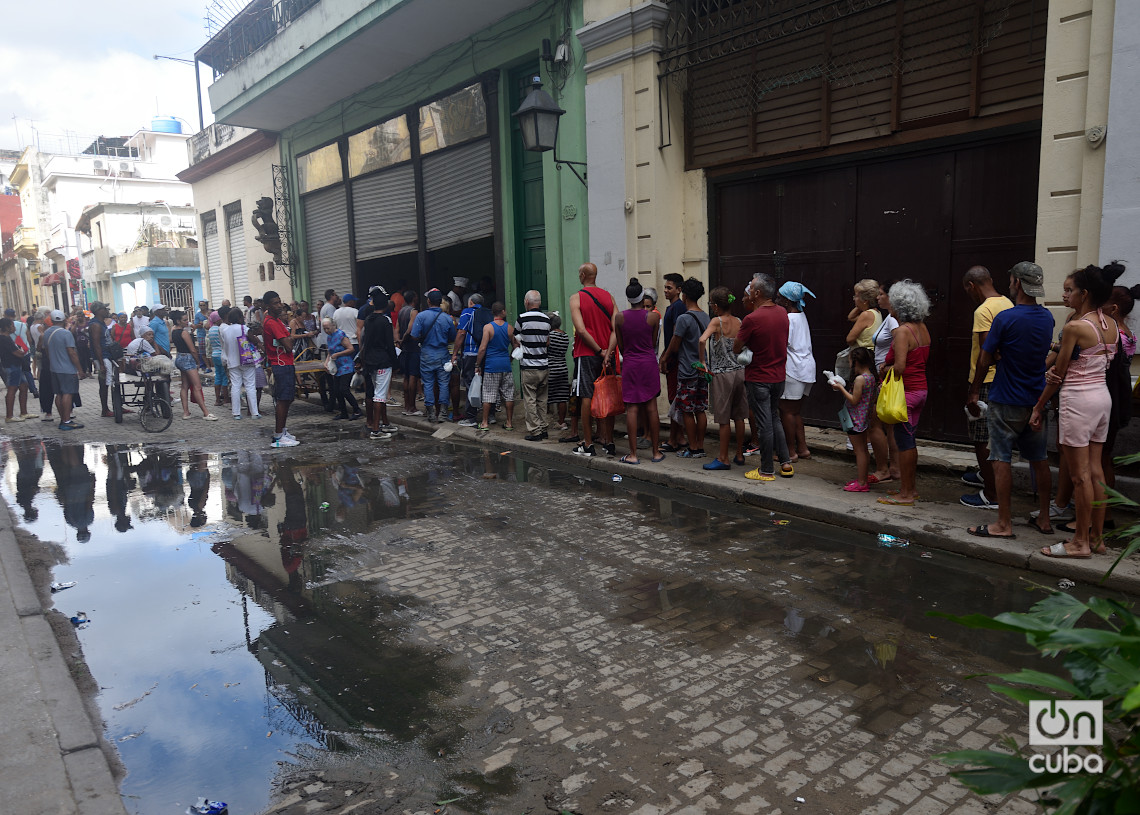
{"x": 1087, "y": 346}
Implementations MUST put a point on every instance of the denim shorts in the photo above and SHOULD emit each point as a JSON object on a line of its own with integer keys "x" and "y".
{"x": 185, "y": 362}
{"x": 14, "y": 376}
{"x": 1009, "y": 424}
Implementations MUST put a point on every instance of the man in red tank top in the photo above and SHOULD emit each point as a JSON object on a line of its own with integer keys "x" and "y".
{"x": 592, "y": 310}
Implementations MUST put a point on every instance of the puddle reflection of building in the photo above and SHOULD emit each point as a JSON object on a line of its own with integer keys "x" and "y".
{"x": 332, "y": 657}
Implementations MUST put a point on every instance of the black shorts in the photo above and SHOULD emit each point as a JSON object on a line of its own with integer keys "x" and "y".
{"x": 284, "y": 382}
{"x": 586, "y": 370}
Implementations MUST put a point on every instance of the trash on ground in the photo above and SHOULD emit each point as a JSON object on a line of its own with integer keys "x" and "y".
{"x": 1065, "y": 584}
{"x": 890, "y": 541}
{"x": 800, "y": 801}
{"x": 137, "y": 699}
{"x": 80, "y": 620}
{"x": 926, "y": 554}
{"x": 506, "y": 452}
{"x": 781, "y": 522}
{"x": 616, "y": 477}
{"x": 325, "y": 506}
{"x": 205, "y": 807}
{"x": 130, "y": 736}
{"x": 61, "y": 586}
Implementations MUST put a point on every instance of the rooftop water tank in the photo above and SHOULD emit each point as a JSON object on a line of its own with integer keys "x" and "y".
{"x": 165, "y": 124}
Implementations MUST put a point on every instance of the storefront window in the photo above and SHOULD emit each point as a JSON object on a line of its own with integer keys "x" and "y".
{"x": 460, "y": 117}
{"x": 319, "y": 168}
{"x": 377, "y": 147}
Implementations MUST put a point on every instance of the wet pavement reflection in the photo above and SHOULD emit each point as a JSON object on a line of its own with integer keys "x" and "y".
{"x": 231, "y": 632}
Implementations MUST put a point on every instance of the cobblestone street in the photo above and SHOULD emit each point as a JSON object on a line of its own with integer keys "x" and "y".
{"x": 638, "y": 660}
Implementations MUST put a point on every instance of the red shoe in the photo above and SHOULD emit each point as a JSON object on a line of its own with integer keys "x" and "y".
{"x": 855, "y": 486}
{"x": 108, "y": 414}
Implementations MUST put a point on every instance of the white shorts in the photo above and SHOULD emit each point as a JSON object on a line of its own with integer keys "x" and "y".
{"x": 795, "y": 390}
{"x": 381, "y": 380}
{"x": 107, "y": 374}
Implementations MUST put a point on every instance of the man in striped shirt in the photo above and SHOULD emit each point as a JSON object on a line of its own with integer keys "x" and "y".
{"x": 532, "y": 329}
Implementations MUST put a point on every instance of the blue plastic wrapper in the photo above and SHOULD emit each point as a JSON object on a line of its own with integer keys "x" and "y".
{"x": 205, "y": 807}
{"x": 891, "y": 541}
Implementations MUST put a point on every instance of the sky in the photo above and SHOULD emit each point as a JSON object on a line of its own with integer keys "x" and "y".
{"x": 96, "y": 75}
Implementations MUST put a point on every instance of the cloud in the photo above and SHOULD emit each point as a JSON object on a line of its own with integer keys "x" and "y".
{"x": 109, "y": 83}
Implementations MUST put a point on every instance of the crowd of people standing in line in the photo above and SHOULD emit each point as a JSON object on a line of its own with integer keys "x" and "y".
{"x": 751, "y": 372}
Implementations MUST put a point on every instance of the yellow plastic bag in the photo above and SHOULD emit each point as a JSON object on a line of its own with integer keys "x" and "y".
{"x": 891, "y": 405}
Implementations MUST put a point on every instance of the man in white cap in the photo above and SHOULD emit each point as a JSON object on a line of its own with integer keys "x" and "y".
{"x": 458, "y": 289}
{"x": 59, "y": 345}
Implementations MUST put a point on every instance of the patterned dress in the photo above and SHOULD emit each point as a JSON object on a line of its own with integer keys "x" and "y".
{"x": 558, "y": 384}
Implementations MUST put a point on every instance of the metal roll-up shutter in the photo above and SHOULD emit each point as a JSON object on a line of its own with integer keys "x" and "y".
{"x": 458, "y": 201}
{"x": 213, "y": 261}
{"x": 326, "y": 241}
{"x": 235, "y": 236}
{"x": 384, "y": 213}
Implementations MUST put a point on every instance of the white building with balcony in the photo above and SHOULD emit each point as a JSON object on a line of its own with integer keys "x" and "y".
{"x": 59, "y": 177}
{"x": 231, "y": 168}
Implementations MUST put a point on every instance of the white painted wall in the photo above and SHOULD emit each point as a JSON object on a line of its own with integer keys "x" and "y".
{"x": 605, "y": 145}
{"x": 1119, "y": 236}
{"x": 247, "y": 180}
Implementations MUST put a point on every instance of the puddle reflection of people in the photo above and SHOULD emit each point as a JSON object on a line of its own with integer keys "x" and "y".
{"x": 198, "y": 477}
{"x": 119, "y": 484}
{"x": 29, "y": 469}
{"x": 74, "y": 487}
{"x": 395, "y": 493}
{"x": 249, "y": 487}
{"x": 160, "y": 477}
{"x": 294, "y": 527}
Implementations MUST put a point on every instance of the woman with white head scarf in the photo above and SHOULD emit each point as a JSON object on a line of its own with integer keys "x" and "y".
{"x": 801, "y": 371}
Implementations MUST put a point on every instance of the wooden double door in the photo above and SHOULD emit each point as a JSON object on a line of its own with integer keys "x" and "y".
{"x": 927, "y": 216}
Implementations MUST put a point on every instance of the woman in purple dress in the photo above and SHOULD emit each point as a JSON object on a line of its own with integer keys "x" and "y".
{"x": 635, "y": 335}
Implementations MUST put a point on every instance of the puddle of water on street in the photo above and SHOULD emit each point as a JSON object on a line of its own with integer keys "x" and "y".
{"x": 224, "y": 644}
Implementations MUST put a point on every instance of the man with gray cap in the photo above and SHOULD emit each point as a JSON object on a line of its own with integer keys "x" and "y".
{"x": 59, "y": 346}
{"x": 1018, "y": 341}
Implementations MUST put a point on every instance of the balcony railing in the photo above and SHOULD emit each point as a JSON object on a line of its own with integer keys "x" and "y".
{"x": 253, "y": 27}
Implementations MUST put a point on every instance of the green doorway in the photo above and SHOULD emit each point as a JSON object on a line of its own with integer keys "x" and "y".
{"x": 527, "y": 195}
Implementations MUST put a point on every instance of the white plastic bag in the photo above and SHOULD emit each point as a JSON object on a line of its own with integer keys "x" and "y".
{"x": 475, "y": 391}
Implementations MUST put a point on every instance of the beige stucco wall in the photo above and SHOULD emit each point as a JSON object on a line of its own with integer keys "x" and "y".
{"x": 1077, "y": 72}
{"x": 666, "y": 223}
{"x": 247, "y": 181}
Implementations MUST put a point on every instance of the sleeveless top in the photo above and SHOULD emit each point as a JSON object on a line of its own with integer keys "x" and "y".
{"x": 595, "y": 319}
{"x": 637, "y": 336}
{"x": 721, "y": 357}
{"x": 866, "y": 338}
{"x": 407, "y": 341}
{"x": 180, "y": 343}
{"x": 1090, "y": 366}
{"x": 914, "y": 375}
{"x": 497, "y": 359}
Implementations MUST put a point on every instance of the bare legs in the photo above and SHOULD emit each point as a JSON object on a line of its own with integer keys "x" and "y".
{"x": 793, "y": 424}
{"x": 192, "y": 389}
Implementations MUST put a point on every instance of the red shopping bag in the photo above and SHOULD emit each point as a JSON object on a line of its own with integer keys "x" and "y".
{"x": 607, "y": 400}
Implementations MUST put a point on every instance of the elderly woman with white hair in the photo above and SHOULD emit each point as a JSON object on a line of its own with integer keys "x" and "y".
{"x": 909, "y": 352}
{"x": 341, "y": 352}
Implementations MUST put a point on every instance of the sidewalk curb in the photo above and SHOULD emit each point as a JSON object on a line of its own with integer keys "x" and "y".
{"x": 932, "y": 526}
{"x": 93, "y": 787}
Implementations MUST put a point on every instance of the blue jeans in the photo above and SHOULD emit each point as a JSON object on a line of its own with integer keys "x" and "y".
{"x": 432, "y": 374}
{"x": 764, "y": 399}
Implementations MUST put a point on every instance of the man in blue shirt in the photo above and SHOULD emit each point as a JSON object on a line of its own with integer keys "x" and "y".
{"x": 1018, "y": 340}
{"x": 434, "y": 329}
{"x": 472, "y": 321}
{"x": 201, "y": 325}
{"x": 160, "y": 329}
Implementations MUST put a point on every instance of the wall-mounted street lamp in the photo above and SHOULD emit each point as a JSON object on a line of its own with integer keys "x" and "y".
{"x": 538, "y": 117}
